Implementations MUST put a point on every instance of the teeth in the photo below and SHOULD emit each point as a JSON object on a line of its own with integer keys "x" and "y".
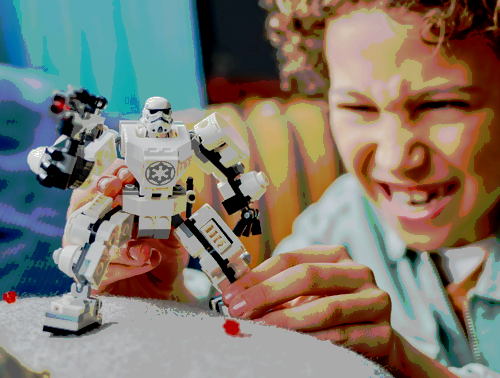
{"x": 410, "y": 197}
{"x": 419, "y": 196}
{"x": 416, "y": 198}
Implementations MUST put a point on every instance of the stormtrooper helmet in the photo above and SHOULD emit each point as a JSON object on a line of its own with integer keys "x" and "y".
{"x": 157, "y": 117}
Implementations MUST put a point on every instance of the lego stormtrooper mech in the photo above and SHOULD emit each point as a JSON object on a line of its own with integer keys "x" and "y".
{"x": 157, "y": 151}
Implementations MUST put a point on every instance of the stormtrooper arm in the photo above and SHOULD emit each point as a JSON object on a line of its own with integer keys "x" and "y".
{"x": 85, "y": 148}
{"x": 219, "y": 150}
{"x": 69, "y": 164}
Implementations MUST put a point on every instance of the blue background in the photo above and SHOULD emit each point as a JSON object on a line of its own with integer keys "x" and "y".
{"x": 126, "y": 51}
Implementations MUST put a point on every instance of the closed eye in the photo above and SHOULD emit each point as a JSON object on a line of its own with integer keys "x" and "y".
{"x": 363, "y": 108}
{"x": 426, "y": 106}
{"x": 442, "y": 104}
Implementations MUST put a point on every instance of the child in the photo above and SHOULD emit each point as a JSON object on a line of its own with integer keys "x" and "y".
{"x": 399, "y": 260}
{"x": 400, "y": 257}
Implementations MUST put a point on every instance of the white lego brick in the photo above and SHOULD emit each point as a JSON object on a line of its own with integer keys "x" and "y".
{"x": 108, "y": 234}
{"x": 101, "y": 151}
{"x": 211, "y": 269}
{"x": 125, "y": 223}
{"x": 96, "y": 263}
{"x": 125, "y": 128}
{"x": 66, "y": 257}
{"x": 100, "y": 206}
{"x": 239, "y": 266}
{"x": 72, "y": 325}
{"x": 162, "y": 206}
{"x": 214, "y": 132}
{"x": 184, "y": 150}
{"x": 35, "y": 158}
{"x": 215, "y": 237}
{"x": 189, "y": 241}
{"x": 142, "y": 153}
{"x": 63, "y": 306}
{"x": 209, "y": 131}
{"x": 77, "y": 229}
{"x": 198, "y": 284}
{"x": 225, "y": 190}
{"x": 253, "y": 184}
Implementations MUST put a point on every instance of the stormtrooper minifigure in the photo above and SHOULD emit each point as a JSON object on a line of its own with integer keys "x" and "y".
{"x": 157, "y": 151}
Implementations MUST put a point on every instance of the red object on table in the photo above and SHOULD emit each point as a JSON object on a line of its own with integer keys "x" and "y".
{"x": 231, "y": 327}
{"x": 10, "y": 297}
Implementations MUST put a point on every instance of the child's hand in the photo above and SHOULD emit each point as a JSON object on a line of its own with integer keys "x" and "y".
{"x": 319, "y": 291}
{"x": 145, "y": 268}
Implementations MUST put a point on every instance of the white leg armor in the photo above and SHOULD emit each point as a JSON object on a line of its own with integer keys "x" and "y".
{"x": 94, "y": 233}
{"x": 222, "y": 255}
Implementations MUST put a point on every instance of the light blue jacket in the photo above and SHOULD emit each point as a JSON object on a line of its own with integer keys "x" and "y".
{"x": 421, "y": 311}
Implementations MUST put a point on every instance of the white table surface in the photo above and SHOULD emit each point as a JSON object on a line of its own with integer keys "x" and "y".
{"x": 153, "y": 338}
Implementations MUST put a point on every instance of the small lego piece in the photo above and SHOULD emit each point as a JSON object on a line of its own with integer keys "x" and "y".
{"x": 231, "y": 327}
{"x": 10, "y": 297}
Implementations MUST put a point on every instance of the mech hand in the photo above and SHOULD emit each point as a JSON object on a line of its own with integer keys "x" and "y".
{"x": 54, "y": 165}
{"x": 144, "y": 268}
{"x": 321, "y": 292}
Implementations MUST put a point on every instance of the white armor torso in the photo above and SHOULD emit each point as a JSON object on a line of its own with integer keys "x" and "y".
{"x": 156, "y": 163}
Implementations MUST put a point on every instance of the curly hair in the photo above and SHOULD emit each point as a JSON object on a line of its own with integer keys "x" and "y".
{"x": 296, "y": 28}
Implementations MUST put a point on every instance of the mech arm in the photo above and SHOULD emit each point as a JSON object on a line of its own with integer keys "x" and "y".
{"x": 86, "y": 146}
{"x": 219, "y": 150}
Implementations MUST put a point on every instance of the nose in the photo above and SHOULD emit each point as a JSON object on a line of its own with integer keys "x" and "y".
{"x": 402, "y": 154}
{"x": 406, "y": 163}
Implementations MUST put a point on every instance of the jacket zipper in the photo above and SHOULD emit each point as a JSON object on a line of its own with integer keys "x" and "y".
{"x": 474, "y": 342}
{"x": 468, "y": 321}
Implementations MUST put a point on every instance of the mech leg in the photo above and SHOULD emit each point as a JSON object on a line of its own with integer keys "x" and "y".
{"x": 95, "y": 233}
{"x": 222, "y": 255}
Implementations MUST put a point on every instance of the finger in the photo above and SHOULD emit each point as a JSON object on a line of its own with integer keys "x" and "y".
{"x": 124, "y": 174}
{"x": 118, "y": 272}
{"x": 110, "y": 186}
{"x": 370, "y": 340}
{"x": 277, "y": 264}
{"x": 367, "y": 306}
{"x": 80, "y": 197}
{"x": 303, "y": 300}
{"x": 301, "y": 280}
{"x": 132, "y": 253}
{"x": 293, "y": 303}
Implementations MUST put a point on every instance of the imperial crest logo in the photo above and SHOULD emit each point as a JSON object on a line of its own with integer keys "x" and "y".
{"x": 160, "y": 173}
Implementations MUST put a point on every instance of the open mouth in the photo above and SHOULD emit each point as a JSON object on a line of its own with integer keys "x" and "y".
{"x": 423, "y": 195}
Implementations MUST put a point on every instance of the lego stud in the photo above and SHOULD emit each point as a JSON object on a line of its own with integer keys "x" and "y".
{"x": 35, "y": 158}
{"x": 56, "y": 255}
{"x": 246, "y": 257}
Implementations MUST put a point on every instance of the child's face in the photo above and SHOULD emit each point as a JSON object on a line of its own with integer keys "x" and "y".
{"x": 399, "y": 117}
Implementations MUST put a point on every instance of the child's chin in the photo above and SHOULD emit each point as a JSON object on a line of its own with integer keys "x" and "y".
{"x": 424, "y": 241}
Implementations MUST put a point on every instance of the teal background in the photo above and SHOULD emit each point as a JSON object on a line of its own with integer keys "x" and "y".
{"x": 126, "y": 51}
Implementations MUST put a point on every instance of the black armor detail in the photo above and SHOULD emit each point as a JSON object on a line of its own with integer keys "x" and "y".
{"x": 65, "y": 167}
{"x": 249, "y": 222}
{"x": 217, "y": 304}
{"x": 95, "y": 226}
{"x": 223, "y": 263}
{"x": 189, "y": 206}
{"x": 238, "y": 201}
